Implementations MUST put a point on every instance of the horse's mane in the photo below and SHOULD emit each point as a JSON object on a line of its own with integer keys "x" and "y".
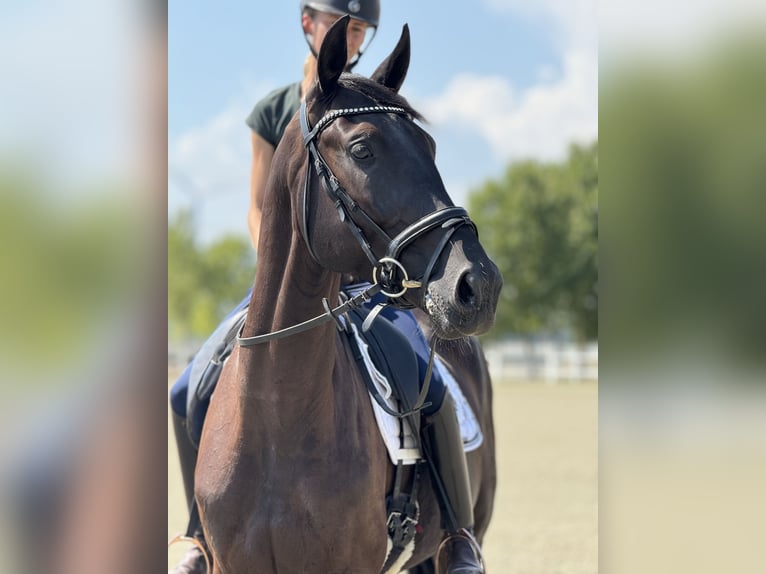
{"x": 378, "y": 93}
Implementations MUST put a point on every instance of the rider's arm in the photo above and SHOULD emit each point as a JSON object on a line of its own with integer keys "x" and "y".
{"x": 263, "y": 152}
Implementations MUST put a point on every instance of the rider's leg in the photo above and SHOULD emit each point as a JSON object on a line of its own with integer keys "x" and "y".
{"x": 459, "y": 552}
{"x": 187, "y": 451}
{"x": 187, "y": 454}
{"x": 193, "y": 561}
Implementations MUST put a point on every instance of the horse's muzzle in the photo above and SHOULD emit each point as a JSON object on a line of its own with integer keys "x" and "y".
{"x": 464, "y": 299}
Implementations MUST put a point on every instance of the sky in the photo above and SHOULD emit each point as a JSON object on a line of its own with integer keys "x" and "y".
{"x": 504, "y": 80}
{"x": 68, "y": 95}
{"x": 498, "y": 81}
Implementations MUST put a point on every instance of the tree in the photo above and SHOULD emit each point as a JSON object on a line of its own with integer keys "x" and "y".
{"x": 539, "y": 223}
{"x": 204, "y": 283}
{"x": 686, "y": 173}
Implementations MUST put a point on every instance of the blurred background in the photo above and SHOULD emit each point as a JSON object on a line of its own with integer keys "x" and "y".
{"x": 92, "y": 161}
{"x": 83, "y": 171}
{"x": 682, "y": 429}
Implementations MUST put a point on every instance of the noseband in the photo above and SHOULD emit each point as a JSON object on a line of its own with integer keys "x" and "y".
{"x": 387, "y": 271}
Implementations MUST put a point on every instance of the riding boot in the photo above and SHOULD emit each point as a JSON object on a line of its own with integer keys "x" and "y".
{"x": 459, "y": 553}
{"x": 187, "y": 456}
{"x": 193, "y": 561}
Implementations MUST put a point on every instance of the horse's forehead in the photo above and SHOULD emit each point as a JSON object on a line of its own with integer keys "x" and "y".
{"x": 347, "y": 95}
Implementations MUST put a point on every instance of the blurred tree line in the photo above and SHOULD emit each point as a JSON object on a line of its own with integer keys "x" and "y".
{"x": 204, "y": 282}
{"x": 685, "y": 167}
{"x": 70, "y": 262}
{"x": 539, "y": 223}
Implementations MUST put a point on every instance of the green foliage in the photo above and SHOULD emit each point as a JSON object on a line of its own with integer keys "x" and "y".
{"x": 686, "y": 170}
{"x": 70, "y": 263}
{"x": 540, "y": 226}
{"x": 204, "y": 283}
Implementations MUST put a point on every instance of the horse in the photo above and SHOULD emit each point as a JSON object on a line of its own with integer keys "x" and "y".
{"x": 292, "y": 474}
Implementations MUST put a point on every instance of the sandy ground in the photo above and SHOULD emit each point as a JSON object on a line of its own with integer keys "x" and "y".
{"x": 546, "y": 510}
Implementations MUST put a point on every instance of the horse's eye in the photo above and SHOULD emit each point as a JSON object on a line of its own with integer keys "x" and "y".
{"x": 360, "y": 151}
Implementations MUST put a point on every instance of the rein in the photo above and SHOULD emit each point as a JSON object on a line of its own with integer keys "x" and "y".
{"x": 328, "y": 315}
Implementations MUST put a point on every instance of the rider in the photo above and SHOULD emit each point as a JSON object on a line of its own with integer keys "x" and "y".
{"x": 441, "y": 434}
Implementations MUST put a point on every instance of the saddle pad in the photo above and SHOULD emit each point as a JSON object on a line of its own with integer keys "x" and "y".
{"x": 389, "y": 425}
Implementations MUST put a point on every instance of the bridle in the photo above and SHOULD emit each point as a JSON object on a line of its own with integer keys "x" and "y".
{"x": 388, "y": 271}
{"x": 390, "y": 277}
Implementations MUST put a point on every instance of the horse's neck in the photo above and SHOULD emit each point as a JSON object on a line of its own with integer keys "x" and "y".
{"x": 289, "y": 288}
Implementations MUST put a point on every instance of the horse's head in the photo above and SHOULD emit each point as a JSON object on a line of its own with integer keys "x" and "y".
{"x": 373, "y": 204}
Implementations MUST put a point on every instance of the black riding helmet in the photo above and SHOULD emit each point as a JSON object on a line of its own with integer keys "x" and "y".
{"x": 368, "y": 11}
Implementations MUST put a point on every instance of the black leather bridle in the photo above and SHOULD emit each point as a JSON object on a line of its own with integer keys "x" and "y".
{"x": 390, "y": 277}
{"x": 388, "y": 271}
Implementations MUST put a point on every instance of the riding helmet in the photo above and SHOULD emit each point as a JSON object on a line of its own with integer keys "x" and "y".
{"x": 367, "y": 11}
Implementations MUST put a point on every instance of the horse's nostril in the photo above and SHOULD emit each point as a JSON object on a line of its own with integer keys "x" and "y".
{"x": 468, "y": 290}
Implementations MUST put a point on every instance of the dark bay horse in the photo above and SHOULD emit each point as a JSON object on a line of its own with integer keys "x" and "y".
{"x": 292, "y": 474}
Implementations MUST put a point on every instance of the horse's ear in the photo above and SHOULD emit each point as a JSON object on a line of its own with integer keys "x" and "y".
{"x": 332, "y": 56}
{"x": 393, "y": 70}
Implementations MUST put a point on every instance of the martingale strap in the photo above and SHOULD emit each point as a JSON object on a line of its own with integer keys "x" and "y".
{"x": 328, "y": 315}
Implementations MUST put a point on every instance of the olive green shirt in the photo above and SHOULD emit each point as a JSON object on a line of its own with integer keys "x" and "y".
{"x": 271, "y": 115}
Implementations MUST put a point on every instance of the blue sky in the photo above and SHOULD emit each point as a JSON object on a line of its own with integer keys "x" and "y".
{"x": 500, "y": 81}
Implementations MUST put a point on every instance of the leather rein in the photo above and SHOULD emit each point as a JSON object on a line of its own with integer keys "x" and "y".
{"x": 390, "y": 277}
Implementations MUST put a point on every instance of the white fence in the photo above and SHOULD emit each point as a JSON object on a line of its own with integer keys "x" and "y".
{"x": 542, "y": 360}
{"x": 545, "y": 360}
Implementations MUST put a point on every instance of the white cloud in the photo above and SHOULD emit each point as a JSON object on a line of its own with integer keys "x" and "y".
{"x": 672, "y": 29}
{"x": 538, "y": 122}
{"x": 213, "y": 158}
{"x": 209, "y": 170}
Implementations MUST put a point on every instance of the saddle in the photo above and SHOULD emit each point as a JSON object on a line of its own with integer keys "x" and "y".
{"x": 390, "y": 351}
{"x": 392, "y": 355}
